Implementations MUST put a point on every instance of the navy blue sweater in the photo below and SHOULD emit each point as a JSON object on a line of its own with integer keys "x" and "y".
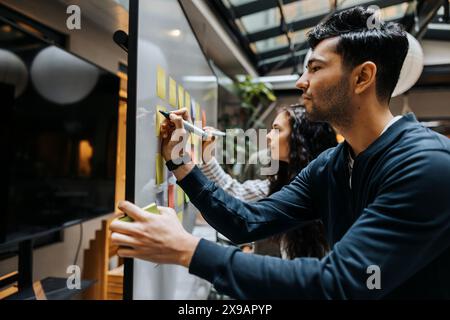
{"x": 396, "y": 217}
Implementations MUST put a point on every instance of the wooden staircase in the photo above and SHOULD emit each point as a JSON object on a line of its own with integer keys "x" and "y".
{"x": 109, "y": 283}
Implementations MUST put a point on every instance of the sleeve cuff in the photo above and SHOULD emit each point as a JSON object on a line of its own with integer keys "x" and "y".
{"x": 194, "y": 183}
{"x": 208, "y": 260}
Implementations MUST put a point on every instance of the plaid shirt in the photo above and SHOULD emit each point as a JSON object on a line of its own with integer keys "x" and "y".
{"x": 249, "y": 191}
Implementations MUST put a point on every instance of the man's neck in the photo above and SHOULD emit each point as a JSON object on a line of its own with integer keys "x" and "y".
{"x": 366, "y": 127}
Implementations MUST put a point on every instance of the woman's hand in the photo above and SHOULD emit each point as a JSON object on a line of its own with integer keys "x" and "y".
{"x": 209, "y": 145}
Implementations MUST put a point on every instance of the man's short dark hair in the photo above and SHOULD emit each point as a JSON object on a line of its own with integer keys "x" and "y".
{"x": 386, "y": 45}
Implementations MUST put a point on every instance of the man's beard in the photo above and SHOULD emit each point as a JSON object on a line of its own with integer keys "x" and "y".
{"x": 336, "y": 107}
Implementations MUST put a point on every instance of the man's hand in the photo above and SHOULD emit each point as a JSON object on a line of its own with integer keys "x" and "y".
{"x": 174, "y": 136}
{"x": 156, "y": 238}
{"x": 174, "y": 139}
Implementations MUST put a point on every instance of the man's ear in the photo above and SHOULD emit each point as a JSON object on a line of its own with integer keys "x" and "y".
{"x": 365, "y": 76}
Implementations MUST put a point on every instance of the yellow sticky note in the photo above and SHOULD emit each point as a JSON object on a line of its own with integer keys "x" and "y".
{"x": 198, "y": 113}
{"x": 172, "y": 92}
{"x": 159, "y": 119}
{"x": 159, "y": 169}
{"x": 180, "y": 196}
{"x": 196, "y": 140}
{"x": 161, "y": 83}
{"x": 180, "y": 97}
{"x": 199, "y": 150}
{"x": 180, "y": 216}
{"x": 187, "y": 102}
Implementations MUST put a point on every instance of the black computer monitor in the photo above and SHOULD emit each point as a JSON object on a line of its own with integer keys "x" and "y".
{"x": 58, "y": 136}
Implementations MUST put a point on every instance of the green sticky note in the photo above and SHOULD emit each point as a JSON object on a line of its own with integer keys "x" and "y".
{"x": 151, "y": 208}
{"x": 126, "y": 218}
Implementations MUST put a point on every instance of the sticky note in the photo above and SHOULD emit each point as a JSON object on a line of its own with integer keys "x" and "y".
{"x": 172, "y": 92}
{"x": 203, "y": 118}
{"x": 194, "y": 140}
{"x": 161, "y": 83}
{"x": 199, "y": 156}
{"x": 198, "y": 113}
{"x": 126, "y": 218}
{"x": 159, "y": 169}
{"x": 180, "y": 97}
{"x": 180, "y": 216}
{"x": 187, "y": 102}
{"x": 159, "y": 119}
{"x": 171, "y": 196}
{"x": 152, "y": 208}
{"x": 186, "y": 198}
{"x": 180, "y": 196}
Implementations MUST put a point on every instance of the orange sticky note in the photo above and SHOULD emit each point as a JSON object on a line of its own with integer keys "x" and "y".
{"x": 171, "y": 196}
{"x": 203, "y": 118}
{"x": 161, "y": 83}
{"x": 172, "y": 92}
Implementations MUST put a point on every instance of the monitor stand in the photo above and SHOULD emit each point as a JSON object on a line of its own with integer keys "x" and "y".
{"x": 47, "y": 289}
{"x": 25, "y": 279}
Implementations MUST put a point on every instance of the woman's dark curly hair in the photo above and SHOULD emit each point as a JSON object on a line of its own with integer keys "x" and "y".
{"x": 307, "y": 141}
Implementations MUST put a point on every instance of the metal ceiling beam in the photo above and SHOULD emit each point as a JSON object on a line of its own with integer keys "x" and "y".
{"x": 256, "y": 6}
{"x": 285, "y": 49}
{"x": 309, "y": 22}
{"x": 430, "y": 34}
{"x": 426, "y": 11}
{"x": 228, "y": 17}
